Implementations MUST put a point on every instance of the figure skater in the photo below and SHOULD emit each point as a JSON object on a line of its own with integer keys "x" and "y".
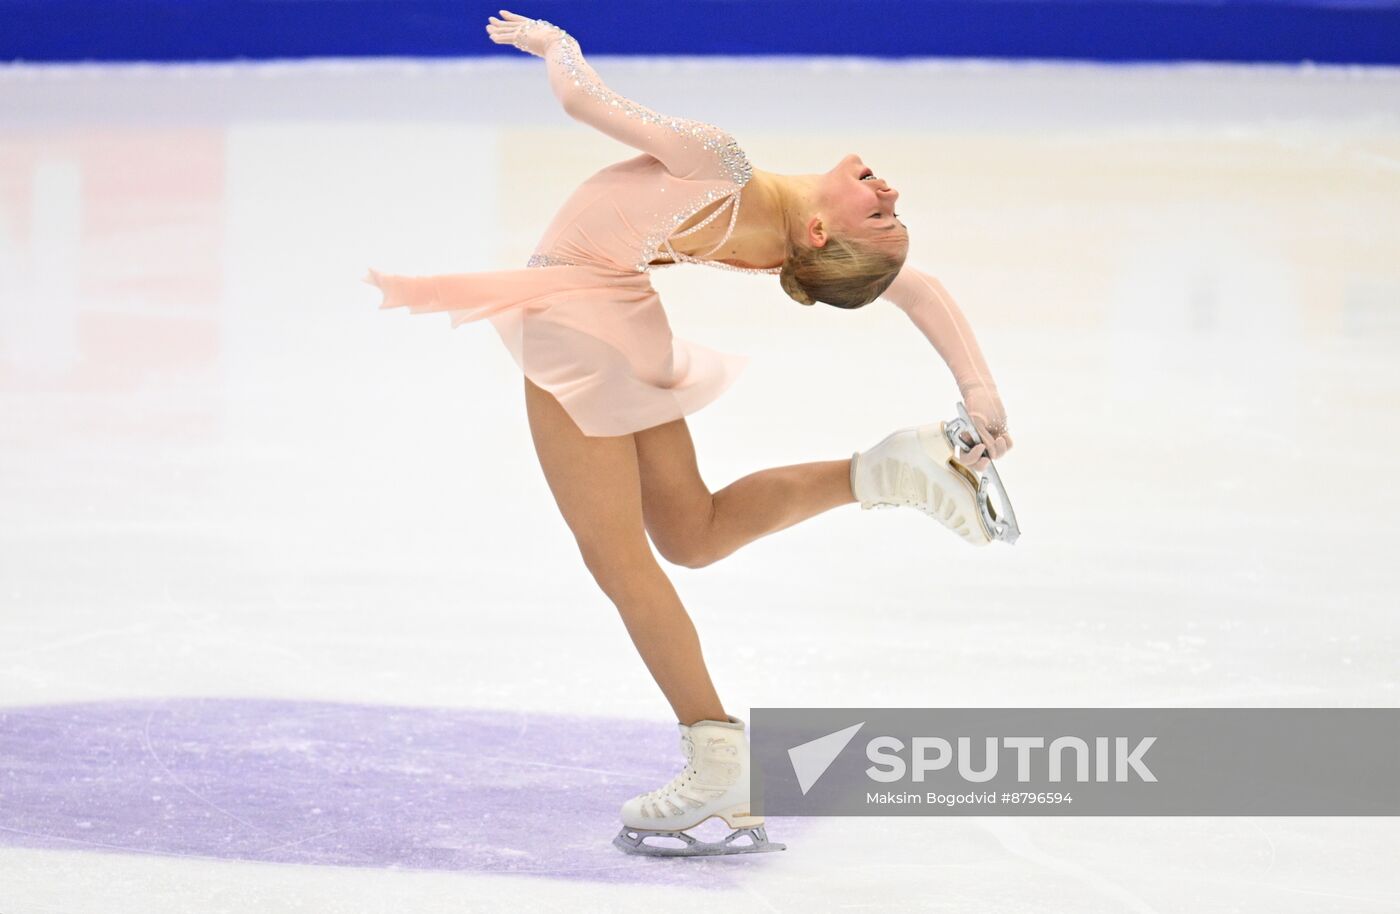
{"x": 607, "y": 388}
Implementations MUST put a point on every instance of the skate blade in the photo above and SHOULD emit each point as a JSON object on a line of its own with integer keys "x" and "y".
{"x": 937, "y": 446}
{"x": 633, "y": 841}
{"x": 998, "y": 524}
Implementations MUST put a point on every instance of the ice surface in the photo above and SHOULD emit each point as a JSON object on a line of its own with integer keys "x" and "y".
{"x": 256, "y": 534}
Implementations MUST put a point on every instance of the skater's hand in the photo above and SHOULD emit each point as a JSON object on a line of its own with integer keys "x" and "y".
{"x": 989, "y": 419}
{"x": 533, "y": 36}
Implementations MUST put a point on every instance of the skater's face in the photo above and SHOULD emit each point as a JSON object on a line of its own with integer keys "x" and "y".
{"x": 852, "y": 201}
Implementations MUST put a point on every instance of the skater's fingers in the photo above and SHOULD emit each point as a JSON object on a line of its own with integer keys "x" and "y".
{"x": 971, "y": 458}
{"x": 979, "y": 422}
{"x": 965, "y": 452}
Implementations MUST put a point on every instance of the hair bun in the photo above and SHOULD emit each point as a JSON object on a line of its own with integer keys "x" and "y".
{"x": 794, "y": 289}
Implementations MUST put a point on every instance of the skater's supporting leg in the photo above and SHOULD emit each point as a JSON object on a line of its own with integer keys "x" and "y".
{"x": 595, "y": 481}
{"x": 693, "y": 527}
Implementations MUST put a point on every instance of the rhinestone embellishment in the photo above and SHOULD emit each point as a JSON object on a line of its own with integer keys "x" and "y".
{"x": 734, "y": 166}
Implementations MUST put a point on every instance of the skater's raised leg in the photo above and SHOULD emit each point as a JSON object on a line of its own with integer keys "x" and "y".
{"x": 692, "y": 526}
{"x": 596, "y": 483}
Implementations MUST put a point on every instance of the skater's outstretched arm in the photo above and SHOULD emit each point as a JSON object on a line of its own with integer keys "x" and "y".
{"x": 939, "y": 318}
{"x": 687, "y": 148}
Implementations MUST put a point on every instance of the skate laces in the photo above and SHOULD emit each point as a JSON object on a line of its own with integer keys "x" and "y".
{"x": 686, "y": 785}
{"x": 900, "y": 484}
{"x": 903, "y": 485}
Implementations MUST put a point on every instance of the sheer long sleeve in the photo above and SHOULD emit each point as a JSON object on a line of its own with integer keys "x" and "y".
{"x": 688, "y": 149}
{"x": 939, "y": 318}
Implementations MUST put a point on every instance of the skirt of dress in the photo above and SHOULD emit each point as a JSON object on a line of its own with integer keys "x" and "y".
{"x": 595, "y": 337}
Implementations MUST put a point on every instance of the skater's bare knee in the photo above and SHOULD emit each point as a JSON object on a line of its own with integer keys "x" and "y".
{"x": 693, "y": 554}
{"x": 690, "y": 556}
{"x": 678, "y": 507}
{"x": 620, "y": 569}
{"x": 689, "y": 542}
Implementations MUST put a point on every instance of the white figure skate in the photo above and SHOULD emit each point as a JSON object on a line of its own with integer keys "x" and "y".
{"x": 714, "y": 782}
{"x": 915, "y": 467}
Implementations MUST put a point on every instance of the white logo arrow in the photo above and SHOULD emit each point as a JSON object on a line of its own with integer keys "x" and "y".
{"x": 811, "y": 759}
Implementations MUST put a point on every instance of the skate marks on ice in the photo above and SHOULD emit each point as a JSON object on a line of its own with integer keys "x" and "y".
{"x": 340, "y": 785}
{"x": 1015, "y": 838}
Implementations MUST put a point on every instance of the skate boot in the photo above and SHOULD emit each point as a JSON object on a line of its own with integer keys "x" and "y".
{"x": 714, "y": 782}
{"x": 915, "y": 467}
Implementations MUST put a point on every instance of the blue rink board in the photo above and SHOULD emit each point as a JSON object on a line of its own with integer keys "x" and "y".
{"x": 1321, "y": 31}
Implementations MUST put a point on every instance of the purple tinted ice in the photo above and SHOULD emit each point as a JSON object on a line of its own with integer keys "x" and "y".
{"x": 343, "y": 785}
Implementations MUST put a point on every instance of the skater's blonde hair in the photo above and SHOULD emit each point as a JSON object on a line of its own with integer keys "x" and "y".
{"x": 845, "y": 272}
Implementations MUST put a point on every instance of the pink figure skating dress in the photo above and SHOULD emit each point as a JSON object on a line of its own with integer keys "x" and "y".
{"x": 582, "y": 319}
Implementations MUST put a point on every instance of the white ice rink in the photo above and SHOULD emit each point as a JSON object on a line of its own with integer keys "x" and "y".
{"x": 232, "y": 490}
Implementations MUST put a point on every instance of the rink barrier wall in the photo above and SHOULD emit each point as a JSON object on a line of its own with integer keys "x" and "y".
{"x": 1295, "y": 31}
